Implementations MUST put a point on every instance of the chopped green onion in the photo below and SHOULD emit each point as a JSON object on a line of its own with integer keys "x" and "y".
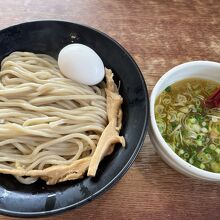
{"x": 181, "y": 151}
{"x": 168, "y": 89}
{"x": 217, "y": 150}
{"x": 186, "y": 155}
{"x": 214, "y": 119}
{"x": 204, "y": 130}
{"x": 174, "y": 125}
{"x": 212, "y": 146}
{"x": 199, "y": 142}
{"x": 202, "y": 166}
{"x": 191, "y": 160}
{"x": 199, "y": 118}
{"x": 204, "y": 123}
{"x": 192, "y": 120}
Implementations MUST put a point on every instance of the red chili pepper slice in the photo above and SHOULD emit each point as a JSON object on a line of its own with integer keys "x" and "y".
{"x": 214, "y": 100}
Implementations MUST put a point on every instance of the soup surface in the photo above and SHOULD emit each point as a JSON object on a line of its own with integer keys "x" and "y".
{"x": 190, "y": 129}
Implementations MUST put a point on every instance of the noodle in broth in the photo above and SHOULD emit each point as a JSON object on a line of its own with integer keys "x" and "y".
{"x": 189, "y": 128}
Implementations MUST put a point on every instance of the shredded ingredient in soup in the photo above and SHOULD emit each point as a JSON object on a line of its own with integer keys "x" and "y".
{"x": 190, "y": 129}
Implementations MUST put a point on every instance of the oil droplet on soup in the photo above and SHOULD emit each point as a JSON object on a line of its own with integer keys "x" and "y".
{"x": 190, "y": 129}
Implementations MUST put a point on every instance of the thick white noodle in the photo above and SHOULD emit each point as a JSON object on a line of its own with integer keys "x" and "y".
{"x": 45, "y": 118}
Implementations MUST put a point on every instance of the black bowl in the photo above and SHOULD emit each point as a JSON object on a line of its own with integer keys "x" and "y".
{"x": 49, "y": 37}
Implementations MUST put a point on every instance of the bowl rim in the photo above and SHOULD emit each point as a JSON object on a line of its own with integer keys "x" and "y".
{"x": 164, "y": 147}
{"x": 133, "y": 155}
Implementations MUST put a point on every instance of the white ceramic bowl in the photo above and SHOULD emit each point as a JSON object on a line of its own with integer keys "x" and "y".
{"x": 198, "y": 69}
